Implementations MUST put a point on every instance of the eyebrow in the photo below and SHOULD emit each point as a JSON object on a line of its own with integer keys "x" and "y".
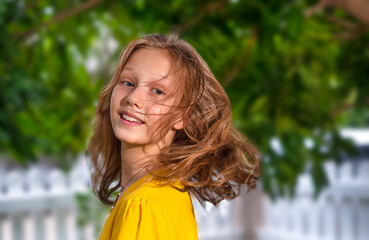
{"x": 156, "y": 81}
{"x": 126, "y": 69}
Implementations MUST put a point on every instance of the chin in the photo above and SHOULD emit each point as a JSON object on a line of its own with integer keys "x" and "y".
{"x": 132, "y": 140}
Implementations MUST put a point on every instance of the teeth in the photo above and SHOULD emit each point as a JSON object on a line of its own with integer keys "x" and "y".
{"x": 131, "y": 119}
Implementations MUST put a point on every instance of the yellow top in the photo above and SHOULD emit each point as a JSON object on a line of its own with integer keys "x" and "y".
{"x": 147, "y": 211}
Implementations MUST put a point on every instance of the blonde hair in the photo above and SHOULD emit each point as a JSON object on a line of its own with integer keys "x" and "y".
{"x": 208, "y": 156}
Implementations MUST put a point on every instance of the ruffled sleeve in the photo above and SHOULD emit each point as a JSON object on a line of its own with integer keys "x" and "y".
{"x": 144, "y": 219}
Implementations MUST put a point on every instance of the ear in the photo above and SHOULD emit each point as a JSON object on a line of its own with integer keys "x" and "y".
{"x": 178, "y": 125}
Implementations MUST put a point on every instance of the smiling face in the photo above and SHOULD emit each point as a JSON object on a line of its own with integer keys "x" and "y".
{"x": 142, "y": 98}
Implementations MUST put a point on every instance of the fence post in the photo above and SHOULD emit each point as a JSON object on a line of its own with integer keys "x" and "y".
{"x": 346, "y": 209}
{"x": 363, "y": 202}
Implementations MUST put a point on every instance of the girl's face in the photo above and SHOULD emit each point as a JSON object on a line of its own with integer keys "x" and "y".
{"x": 140, "y": 97}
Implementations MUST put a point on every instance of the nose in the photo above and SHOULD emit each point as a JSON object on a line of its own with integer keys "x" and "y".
{"x": 136, "y": 97}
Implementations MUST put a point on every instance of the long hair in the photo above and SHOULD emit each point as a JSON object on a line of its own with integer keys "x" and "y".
{"x": 208, "y": 156}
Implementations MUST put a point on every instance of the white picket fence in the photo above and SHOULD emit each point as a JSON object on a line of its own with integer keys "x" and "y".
{"x": 219, "y": 223}
{"x": 341, "y": 212}
{"x": 39, "y": 203}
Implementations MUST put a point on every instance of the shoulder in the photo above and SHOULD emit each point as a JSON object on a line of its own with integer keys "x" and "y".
{"x": 166, "y": 196}
{"x": 151, "y": 210}
{"x": 166, "y": 204}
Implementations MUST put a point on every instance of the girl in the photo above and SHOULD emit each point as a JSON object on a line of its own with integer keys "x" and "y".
{"x": 163, "y": 130}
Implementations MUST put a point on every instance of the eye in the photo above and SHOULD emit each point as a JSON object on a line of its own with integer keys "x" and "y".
{"x": 157, "y": 91}
{"x": 127, "y": 83}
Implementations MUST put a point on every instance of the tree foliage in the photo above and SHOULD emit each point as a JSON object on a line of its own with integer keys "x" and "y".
{"x": 291, "y": 79}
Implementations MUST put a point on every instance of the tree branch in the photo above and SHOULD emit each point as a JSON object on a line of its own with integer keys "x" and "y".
{"x": 60, "y": 17}
{"x": 359, "y": 9}
{"x": 342, "y": 22}
{"x": 208, "y": 8}
{"x": 245, "y": 56}
{"x": 354, "y": 33}
{"x": 31, "y": 4}
{"x": 316, "y": 8}
{"x": 346, "y": 107}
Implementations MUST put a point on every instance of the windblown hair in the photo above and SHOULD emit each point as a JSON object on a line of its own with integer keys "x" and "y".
{"x": 208, "y": 156}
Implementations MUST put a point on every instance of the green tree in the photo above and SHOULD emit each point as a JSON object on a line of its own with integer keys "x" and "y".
{"x": 292, "y": 73}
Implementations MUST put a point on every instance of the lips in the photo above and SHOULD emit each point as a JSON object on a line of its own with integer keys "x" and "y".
{"x": 130, "y": 117}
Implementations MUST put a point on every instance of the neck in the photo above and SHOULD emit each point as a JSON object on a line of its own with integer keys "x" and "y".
{"x": 133, "y": 158}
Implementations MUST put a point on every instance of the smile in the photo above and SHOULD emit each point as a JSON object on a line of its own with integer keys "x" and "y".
{"x": 130, "y": 119}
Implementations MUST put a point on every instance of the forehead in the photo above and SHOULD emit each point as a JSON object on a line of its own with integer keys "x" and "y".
{"x": 149, "y": 65}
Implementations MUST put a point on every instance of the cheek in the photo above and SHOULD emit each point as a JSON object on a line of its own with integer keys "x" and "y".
{"x": 157, "y": 111}
{"x": 115, "y": 100}
{"x": 116, "y": 97}
{"x": 112, "y": 102}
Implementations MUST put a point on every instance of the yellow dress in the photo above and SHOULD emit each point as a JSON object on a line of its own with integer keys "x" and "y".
{"x": 146, "y": 211}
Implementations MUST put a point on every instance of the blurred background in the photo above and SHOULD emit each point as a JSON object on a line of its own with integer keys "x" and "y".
{"x": 296, "y": 73}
